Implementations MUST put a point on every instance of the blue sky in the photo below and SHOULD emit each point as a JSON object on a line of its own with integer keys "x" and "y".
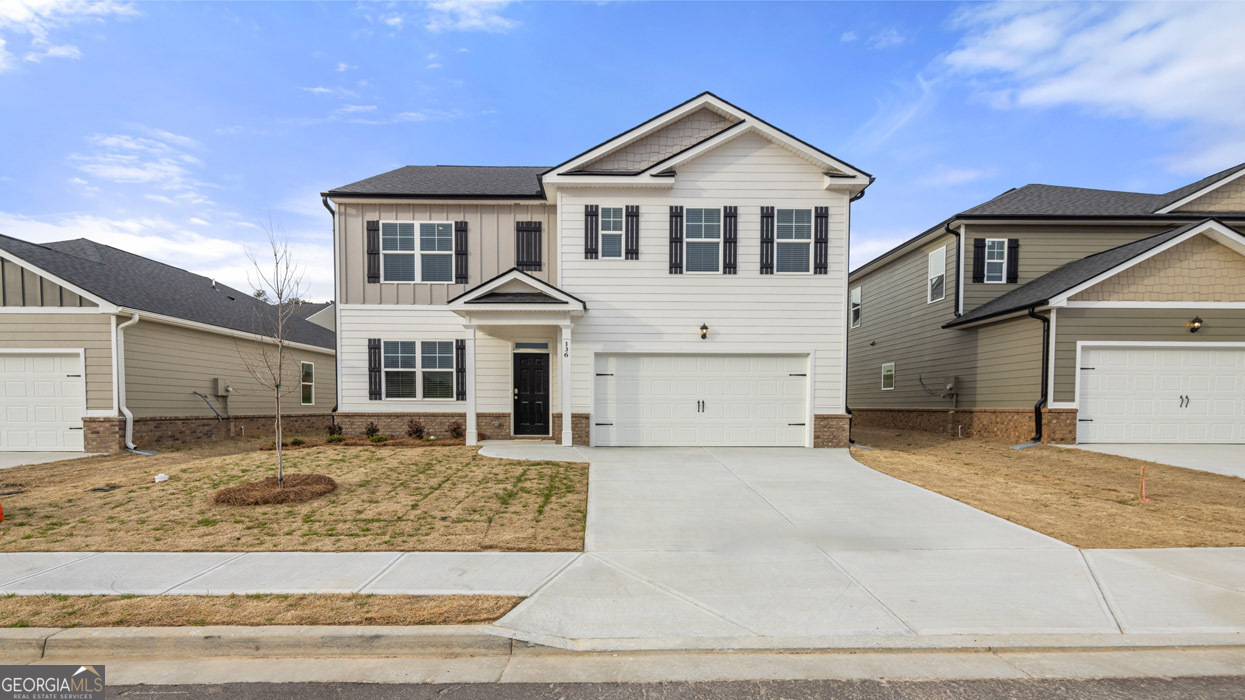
{"x": 180, "y": 130}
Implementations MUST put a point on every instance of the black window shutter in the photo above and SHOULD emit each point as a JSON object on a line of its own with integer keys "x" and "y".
{"x": 1013, "y": 260}
{"x": 676, "y": 240}
{"x": 821, "y": 240}
{"x": 632, "y": 236}
{"x": 767, "y": 240}
{"x": 979, "y": 260}
{"x": 730, "y": 239}
{"x": 372, "y": 243}
{"x": 460, "y": 370}
{"x": 460, "y": 252}
{"x": 527, "y": 245}
{"x": 373, "y": 370}
{"x": 592, "y": 224}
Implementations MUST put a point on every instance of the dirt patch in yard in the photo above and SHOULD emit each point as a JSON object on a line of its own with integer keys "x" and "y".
{"x": 192, "y": 611}
{"x": 388, "y": 499}
{"x": 1086, "y": 499}
{"x": 297, "y": 488}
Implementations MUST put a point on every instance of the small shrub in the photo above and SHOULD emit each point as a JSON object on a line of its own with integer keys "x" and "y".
{"x": 457, "y": 430}
{"x": 378, "y": 438}
{"x": 335, "y": 438}
{"x": 415, "y": 429}
{"x": 298, "y": 441}
{"x": 335, "y": 429}
{"x": 371, "y": 429}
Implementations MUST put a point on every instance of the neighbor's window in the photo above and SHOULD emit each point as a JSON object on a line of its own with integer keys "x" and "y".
{"x": 611, "y": 232}
{"x": 888, "y": 376}
{"x": 308, "y": 381}
{"x": 702, "y": 236}
{"x": 399, "y": 366}
{"x": 436, "y": 252}
{"x": 397, "y": 247}
{"x": 996, "y": 259}
{"x": 437, "y": 359}
{"x": 856, "y": 307}
{"x": 794, "y": 234}
{"x": 937, "y": 289}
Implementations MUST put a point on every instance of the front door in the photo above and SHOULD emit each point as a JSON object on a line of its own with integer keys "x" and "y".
{"x": 531, "y": 393}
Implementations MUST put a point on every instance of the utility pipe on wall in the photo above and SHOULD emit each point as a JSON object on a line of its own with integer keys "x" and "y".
{"x": 1041, "y": 402}
{"x": 129, "y": 417}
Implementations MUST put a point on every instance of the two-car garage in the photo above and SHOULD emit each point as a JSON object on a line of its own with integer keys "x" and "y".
{"x": 42, "y": 401}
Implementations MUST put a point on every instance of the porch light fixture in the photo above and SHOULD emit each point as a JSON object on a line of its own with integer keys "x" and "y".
{"x": 704, "y": 331}
{"x": 1195, "y": 324}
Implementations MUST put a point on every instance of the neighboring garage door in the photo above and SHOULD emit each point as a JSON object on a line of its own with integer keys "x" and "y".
{"x": 42, "y": 401}
{"x": 664, "y": 400}
{"x": 1155, "y": 394}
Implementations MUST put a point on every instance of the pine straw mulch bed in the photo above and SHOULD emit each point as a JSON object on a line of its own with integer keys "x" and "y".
{"x": 308, "y": 443}
{"x": 1087, "y": 499}
{"x": 271, "y": 609}
{"x": 298, "y": 488}
{"x": 414, "y": 499}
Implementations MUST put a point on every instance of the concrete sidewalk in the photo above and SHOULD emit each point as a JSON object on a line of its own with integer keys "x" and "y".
{"x": 1228, "y": 460}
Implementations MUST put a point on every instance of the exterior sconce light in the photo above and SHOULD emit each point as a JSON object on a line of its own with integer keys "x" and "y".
{"x": 1195, "y": 324}
{"x": 704, "y": 331}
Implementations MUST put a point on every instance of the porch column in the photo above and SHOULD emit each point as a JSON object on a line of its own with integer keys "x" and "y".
{"x": 564, "y": 379}
{"x": 473, "y": 435}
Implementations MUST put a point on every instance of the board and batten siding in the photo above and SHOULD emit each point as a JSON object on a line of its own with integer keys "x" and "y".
{"x": 494, "y": 359}
{"x": 21, "y": 287}
{"x": 90, "y": 332}
{"x": 637, "y": 306}
{"x": 1166, "y": 325}
{"x": 490, "y": 247}
{"x": 165, "y": 364}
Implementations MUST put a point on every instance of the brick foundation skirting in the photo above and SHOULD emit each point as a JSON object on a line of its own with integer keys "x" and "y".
{"x": 831, "y": 430}
{"x": 395, "y": 424}
{"x": 107, "y": 435}
{"x": 1010, "y": 424}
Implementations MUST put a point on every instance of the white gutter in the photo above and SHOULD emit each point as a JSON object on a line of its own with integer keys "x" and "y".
{"x": 120, "y": 377}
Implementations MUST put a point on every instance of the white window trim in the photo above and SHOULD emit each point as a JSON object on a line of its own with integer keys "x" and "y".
{"x": 791, "y": 241}
{"x": 419, "y": 268}
{"x": 302, "y": 383}
{"x": 985, "y": 274}
{"x": 721, "y": 239}
{"x": 929, "y": 277}
{"x": 892, "y": 386}
{"x": 620, "y": 233}
{"x": 452, "y": 368}
{"x": 418, "y": 370}
{"x": 853, "y": 305}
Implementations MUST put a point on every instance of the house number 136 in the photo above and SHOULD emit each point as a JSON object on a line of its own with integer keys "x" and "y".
{"x": 566, "y": 348}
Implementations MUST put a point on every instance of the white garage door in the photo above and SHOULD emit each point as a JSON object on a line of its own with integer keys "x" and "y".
{"x": 42, "y": 401}
{"x": 662, "y": 400}
{"x": 1155, "y": 394}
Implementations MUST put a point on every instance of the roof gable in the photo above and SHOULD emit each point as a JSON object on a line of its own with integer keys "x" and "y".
{"x": 517, "y": 290}
{"x": 648, "y": 149}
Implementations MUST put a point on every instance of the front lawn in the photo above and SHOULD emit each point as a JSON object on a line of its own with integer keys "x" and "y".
{"x": 1086, "y": 499}
{"x": 424, "y": 498}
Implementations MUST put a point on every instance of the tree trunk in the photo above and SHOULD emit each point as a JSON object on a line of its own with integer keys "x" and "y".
{"x": 277, "y": 430}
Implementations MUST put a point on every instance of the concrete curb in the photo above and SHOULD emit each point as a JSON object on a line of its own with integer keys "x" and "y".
{"x": 24, "y": 644}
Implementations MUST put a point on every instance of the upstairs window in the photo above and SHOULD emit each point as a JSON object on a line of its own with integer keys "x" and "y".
{"x": 794, "y": 240}
{"x": 437, "y": 358}
{"x": 996, "y": 260}
{"x": 855, "y": 310}
{"x": 435, "y": 251}
{"x": 936, "y": 290}
{"x": 611, "y": 232}
{"x": 702, "y": 240}
{"x": 399, "y": 367}
{"x": 397, "y": 247}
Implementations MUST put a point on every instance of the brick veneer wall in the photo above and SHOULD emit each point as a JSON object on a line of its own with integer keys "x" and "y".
{"x": 108, "y": 434}
{"x": 1011, "y": 424}
{"x": 103, "y": 435}
{"x": 394, "y": 424}
{"x": 831, "y": 430}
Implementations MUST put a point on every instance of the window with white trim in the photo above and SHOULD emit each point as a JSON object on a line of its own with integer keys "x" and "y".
{"x": 418, "y": 369}
{"x": 307, "y": 381}
{"x": 402, "y": 262}
{"x": 856, "y": 307}
{"x": 401, "y": 379}
{"x": 888, "y": 376}
{"x": 936, "y": 290}
{"x": 611, "y": 232}
{"x": 996, "y": 260}
{"x": 793, "y": 241}
{"x": 437, "y": 359}
{"x": 702, "y": 240}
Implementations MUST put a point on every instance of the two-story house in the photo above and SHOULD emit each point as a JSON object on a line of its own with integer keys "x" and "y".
{"x": 1061, "y": 314}
{"x": 682, "y": 283}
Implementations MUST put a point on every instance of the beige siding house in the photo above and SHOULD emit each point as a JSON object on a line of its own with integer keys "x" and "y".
{"x": 1063, "y": 315}
{"x": 102, "y": 350}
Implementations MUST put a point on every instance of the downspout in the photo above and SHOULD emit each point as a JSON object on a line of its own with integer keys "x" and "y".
{"x": 1037, "y": 407}
{"x": 959, "y": 265}
{"x": 336, "y": 314}
{"x": 129, "y": 417}
{"x": 847, "y": 347}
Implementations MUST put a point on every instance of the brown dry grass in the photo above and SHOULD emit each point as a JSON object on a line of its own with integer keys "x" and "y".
{"x": 1086, "y": 499}
{"x": 297, "y": 488}
{"x": 192, "y": 611}
{"x": 388, "y": 499}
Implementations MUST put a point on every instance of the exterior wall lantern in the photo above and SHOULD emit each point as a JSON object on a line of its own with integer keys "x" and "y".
{"x": 704, "y": 331}
{"x": 1195, "y": 324}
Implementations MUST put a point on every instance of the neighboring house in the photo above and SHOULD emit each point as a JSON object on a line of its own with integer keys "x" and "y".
{"x": 95, "y": 341}
{"x": 683, "y": 283}
{"x": 322, "y": 315}
{"x": 1061, "y": 313}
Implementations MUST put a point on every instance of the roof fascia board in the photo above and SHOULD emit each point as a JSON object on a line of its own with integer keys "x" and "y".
{"x": 105, "y": 306}
{"x": 219, "y": 330}
{"x": 364, "y": 198}
{"x": 1040, "y": 306}
{"x": 1213, "y": 186}
{"x": 1174, "y": 217}
{"x": 595, "y": 180}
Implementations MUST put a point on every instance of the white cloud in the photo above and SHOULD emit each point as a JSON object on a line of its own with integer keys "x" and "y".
{"x": 39, "y": 19}
{"x": 848, "y": 37}
{"x": 1173, "y": 63}
{"x": 343, "y": 67}
{"x": 469, "y": 16}
{"x": 954, "y": 176}
{"x": 394, "y": 21}
{"x": 338, "y": 92}
{"x": 894, "y": 113}
{"x": 46, "y": 50}
{"x": 886, "y": 39}
{"x": 158, "y": 160}
{"x": 197, "y": 221}
{"x": 867, "y": 245}
{"x": 433, "y": 66}
{"x": 355, "y": 109}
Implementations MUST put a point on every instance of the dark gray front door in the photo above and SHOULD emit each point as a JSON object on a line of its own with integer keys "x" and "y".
{"x": 531, "y": 393}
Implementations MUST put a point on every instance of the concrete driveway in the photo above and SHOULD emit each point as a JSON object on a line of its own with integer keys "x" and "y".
{"x": 20, "y": 459}
{"x": 1220, "y": 459}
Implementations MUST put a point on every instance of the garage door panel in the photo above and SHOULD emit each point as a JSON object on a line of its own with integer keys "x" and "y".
{"x": 42, "y": 401}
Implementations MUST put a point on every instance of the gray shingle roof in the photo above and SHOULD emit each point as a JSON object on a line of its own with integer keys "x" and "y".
{"x": 142, "y": 284}
{"x": 516, "y": 298}
{"x": 1059, "y": 280}
{"x": 460, "y": 181}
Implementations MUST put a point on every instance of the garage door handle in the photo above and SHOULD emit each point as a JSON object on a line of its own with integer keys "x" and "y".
{"x": 1084, "y": 420}
{"x": 604, "y": 424}
{"x": 77, "y": 428}
{"x": 797, "y": 424}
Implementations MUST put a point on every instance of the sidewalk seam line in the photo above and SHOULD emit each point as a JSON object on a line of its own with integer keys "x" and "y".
{"x": 557, "y": 572}
{"x": 681, "y": 596}
{"x": 46, "y": 571}
{"x": 385, "y": 569}
{"x": 1102, "y": 592}
{"x": 748, "y": 486}
{"x": 1001, "y": 657}
{"x": 839, "y": 565}
{"x": 206, "y": 571}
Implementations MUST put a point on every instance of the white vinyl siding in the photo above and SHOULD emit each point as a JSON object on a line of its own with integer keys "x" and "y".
{"x": 307, "y": 383}
{"x": 611, "y": 232}
{"x": 888, "y": 376}
{"x": 857, "y": 308}
{"x": 794, "y": 241}
{"x": 702, "y": 236}
{"x": 936, "y": 289}
{"x": 996, "y": 260}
